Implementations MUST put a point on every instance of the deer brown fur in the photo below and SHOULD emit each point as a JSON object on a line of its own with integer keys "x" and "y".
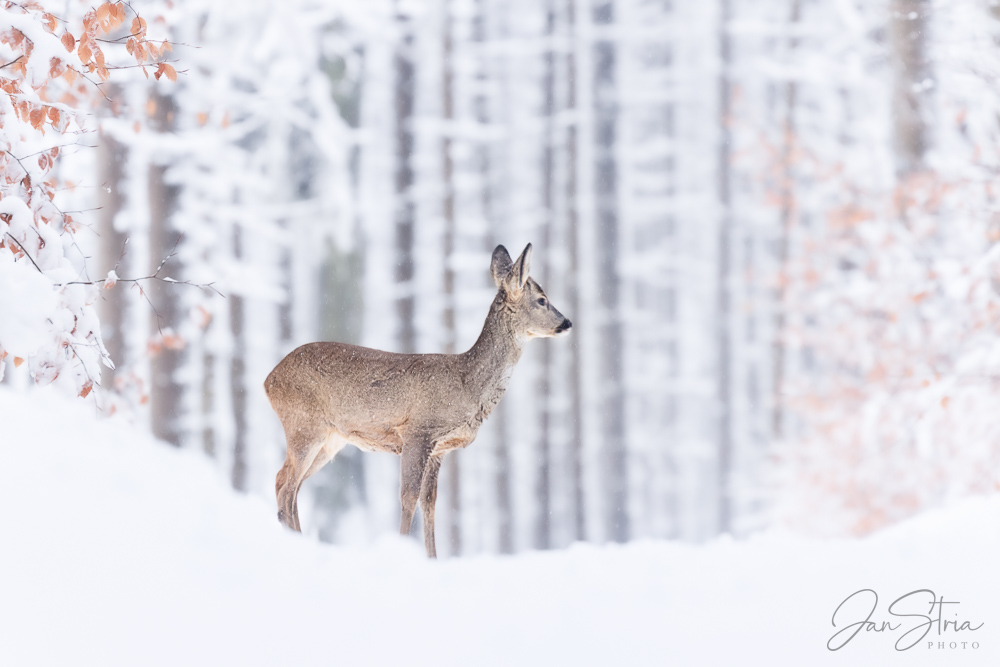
{"x": 419, "y": 406}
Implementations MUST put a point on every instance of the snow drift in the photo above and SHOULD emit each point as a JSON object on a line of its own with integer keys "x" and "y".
{"x": 118, "y": 550}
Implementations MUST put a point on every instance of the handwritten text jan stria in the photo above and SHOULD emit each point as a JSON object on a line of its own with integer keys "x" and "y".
{"x": 914, "y": 615}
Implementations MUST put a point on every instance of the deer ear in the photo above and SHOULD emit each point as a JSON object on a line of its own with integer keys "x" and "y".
{"x": 519, "y": 274}
{"x": 500, "y": 265}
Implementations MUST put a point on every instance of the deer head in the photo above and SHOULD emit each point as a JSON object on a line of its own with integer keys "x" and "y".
{"x": 530, "y": 313}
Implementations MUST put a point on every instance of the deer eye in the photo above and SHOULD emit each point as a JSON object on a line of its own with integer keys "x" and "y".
{"x": 542, "y": 301}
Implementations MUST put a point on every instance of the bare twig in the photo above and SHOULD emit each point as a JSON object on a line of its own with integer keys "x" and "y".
{"x": 26, "y": 10}
{"x": 23, "y": 168}
{"x": 154, "y": 276}
{"x": 86, "y": 372}
{"x": 11, "y": 62}
{"x": 145, "y": 296}
{"x": 30, "y": 258}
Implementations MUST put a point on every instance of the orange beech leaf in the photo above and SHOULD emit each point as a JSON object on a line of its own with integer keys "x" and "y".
{"x": 50, "y": 22}
{"x": 84, "y": 52}
{"x": 37, "y": 117}
{"x": 165, "y": 69}
{"x": 18, "y": 361}
{"x": 172, "y": 341}
{"x": 89, "y": 24}
{"x": 56, "y": 68}
{"x": 104, "y": 11}
{"x": 944, "y": 402}
{"x": 87, "y": 387}
{"x": 201, "y": 316}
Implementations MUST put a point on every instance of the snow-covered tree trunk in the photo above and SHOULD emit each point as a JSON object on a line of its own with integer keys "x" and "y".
{"x": 609, "y": 271}
{"x": 787, "y": 215}
{"x": 492, "y": 29}
{"x": 543, "y": 483}
{"x": 164, "y": 239}
{"x": 112, "y": 160}
{"x": 909, "y": 23}
{"x": 574, "y": 377}
{"x": 452, "y": 473}
{"x": 724, "y": 332}
{"x": 404, "y": 213}
{"x": 237, "y": 369}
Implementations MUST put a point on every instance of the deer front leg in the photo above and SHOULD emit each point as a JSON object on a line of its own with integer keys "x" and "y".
{"x": 411, "y": 474}
{"x": 428, "y": 496}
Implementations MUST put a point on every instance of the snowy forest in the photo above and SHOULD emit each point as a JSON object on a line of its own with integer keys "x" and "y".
{"x": 775, "y": 226}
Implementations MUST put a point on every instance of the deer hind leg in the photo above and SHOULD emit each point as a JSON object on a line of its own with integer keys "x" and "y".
{"x": 428, "y": 496}
{"x": 304, "y": 448}
{"x": 411, "y": 474}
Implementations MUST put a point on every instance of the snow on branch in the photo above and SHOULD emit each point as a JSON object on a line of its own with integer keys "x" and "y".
{"x": 47, "y": 318}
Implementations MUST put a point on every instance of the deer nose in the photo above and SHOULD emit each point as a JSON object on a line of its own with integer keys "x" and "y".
{"x": 564, "y": 326}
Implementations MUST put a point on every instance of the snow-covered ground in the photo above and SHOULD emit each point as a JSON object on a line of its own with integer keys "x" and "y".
{"x": 115, "y": 550}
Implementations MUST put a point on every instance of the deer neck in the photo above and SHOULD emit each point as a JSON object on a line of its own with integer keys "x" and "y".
{"x": 491, "y": 360}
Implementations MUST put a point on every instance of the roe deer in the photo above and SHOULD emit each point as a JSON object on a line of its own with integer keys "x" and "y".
{"x": 419, "y": 406}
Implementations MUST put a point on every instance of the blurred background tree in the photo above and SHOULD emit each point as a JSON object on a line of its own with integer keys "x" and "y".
{"x": 774, "y": 225}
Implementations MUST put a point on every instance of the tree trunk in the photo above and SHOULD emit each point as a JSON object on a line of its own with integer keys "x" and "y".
{"x": 111, "y": 158}
{"x": 908, "y": 23}
{"x": 452, "y": 465}
{"x": 237, "y": 373}
{"x": 788, "y": 212}
{"x": 573, "y": 295}
{"x": 543, "y": 488}
{"x": 165, "y": 390}
{"x": 724, "y": 344}
{"x": 404, "y": 209}
{"x": 606, "y": 201}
